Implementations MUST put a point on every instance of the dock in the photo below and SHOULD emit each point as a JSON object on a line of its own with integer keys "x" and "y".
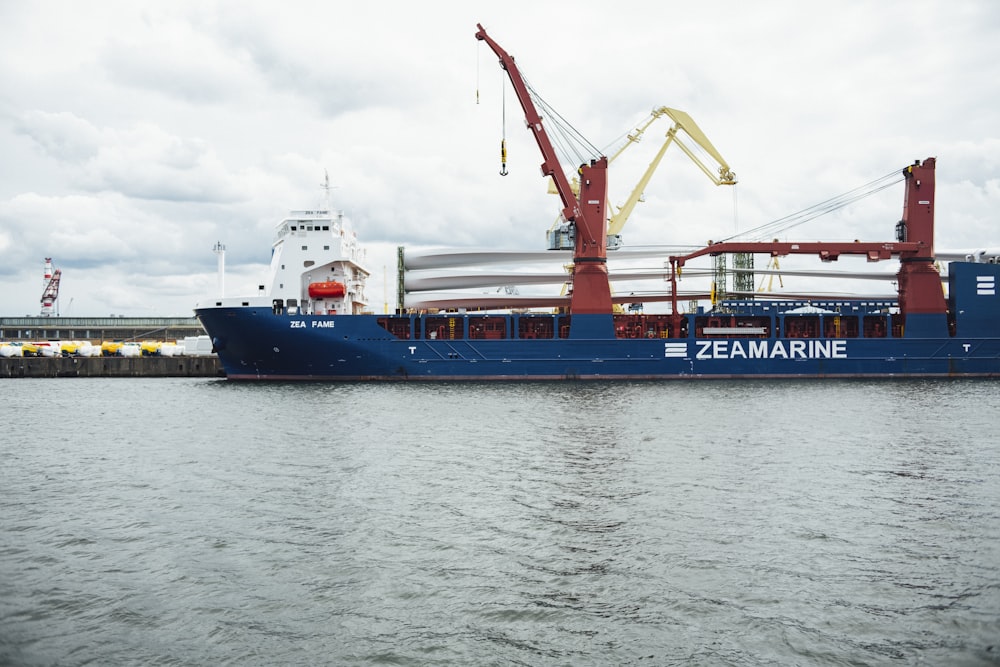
{"x": 98, "y": 328}
{"x": 121, "y": 367}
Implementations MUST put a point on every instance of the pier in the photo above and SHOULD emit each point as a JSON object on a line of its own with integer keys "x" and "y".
{"x": 69, "y": 367}
{"x": 99, "y": 328}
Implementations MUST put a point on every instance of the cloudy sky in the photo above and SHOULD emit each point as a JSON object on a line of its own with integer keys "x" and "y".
{"x": 135, "y": 135}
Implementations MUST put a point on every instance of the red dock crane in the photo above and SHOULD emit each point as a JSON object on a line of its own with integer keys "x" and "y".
{"x": 586, "y": 212}
{"x": 51, "y": 292}
{"x": 919, "y": 280}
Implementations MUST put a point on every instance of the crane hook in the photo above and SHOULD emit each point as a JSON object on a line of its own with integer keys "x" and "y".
{"x": 503, "y": 129}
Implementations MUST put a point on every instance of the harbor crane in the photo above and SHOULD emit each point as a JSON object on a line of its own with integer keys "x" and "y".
{"x": 919, "y": 281}
{"x": 683, "y": 126}
{"x": 50, "y": 294}
{"x": 682, "y": 123}
{"x": 586, "y": 211}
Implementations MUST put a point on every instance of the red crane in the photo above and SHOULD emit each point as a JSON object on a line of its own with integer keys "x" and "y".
{"x": 919, "y": 280}
{"x": 51, "y": 291}
{"x": 587, "y": 212}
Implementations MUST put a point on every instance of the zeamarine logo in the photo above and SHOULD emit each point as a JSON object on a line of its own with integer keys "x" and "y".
{"x": 675, "y": 350}
{"x": 986, "y": 286}
{"x": 760, "y": 349}
{"x": 764, "y": 349}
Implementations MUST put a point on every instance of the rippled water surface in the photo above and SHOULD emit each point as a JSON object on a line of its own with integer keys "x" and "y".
{"x": 199, "y": 522}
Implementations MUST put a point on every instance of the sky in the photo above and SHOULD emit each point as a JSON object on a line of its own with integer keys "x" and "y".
{"x": 135, "y": 135}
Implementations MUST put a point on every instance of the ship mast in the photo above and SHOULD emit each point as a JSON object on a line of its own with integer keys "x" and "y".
{"x": 326, "y": 190}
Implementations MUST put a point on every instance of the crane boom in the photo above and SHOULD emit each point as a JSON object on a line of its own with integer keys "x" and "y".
{"x": 682, "y": 121}
{"x": 685, "y": 122}
{"x": 635, "y": 137}
{"x": 51, "y": 294}
{"x": 550, "y": 166}
{"x": 919, "y": 280}
{"x": 586, "y": 211}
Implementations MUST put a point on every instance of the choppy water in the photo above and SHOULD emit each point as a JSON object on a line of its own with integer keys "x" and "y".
{"x": 199, "y": 522}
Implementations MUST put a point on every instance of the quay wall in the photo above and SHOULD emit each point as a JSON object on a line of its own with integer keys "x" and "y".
{"x": 152, "y": 366}
{"x": 98, "y": 329}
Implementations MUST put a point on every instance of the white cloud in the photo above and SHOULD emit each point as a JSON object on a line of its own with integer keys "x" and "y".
{"x": 142, "y": 161}
{"x": 61, "y": 134}
{"x": 136, "y": 135}
{"x": 172, "y": 57}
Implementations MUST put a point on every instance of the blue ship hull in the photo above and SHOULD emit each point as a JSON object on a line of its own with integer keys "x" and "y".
{"x": 742, "y": 339}
{"x": 256, "y": 343}
{"x": 356, "y": 348}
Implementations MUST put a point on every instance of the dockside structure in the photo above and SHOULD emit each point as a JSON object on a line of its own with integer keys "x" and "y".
{"x": 97, "y": 329}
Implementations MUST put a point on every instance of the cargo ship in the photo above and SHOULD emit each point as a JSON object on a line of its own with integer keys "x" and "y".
{"x": 310, "y": 319}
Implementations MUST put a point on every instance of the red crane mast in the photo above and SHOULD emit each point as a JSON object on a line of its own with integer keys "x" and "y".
{"x": 586, "y": 211}
{"x": 51, "y": 292}
{"x": 919, "y": 280}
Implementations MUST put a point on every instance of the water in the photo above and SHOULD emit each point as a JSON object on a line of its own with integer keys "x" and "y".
{"x": 199, "y": 522}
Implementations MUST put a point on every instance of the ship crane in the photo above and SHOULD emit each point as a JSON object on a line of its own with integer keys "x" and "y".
{"x": 918, "y": 278}
{"x": 51, "y": 292}
{"x": 586, "y": 212}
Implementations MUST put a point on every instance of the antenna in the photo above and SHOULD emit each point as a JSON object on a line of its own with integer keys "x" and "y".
{"x": 220, "y": 250}
{"x": 326, "y": 190}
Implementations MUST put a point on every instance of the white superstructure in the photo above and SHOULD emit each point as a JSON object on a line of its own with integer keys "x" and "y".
{"x": 317, "y": 268}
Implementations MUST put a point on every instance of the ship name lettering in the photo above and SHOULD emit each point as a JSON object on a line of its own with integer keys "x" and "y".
{"x": 297, "y": 324}
{"x": 323, "y": 324}
{"x": 762, "y": 349}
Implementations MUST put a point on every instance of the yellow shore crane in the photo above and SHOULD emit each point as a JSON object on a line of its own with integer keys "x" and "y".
{"x": 723, "y": 175}
{"x": 560, "y": 235}
{"x": 559, "y": 239}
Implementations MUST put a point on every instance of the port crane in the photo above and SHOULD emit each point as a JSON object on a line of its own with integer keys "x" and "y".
{"x": 586, "y": 211}
{"x": 584, "y": 201}
{"x": 51, "y": 292}
{"x": 683, "y": 124}
{"x": 918, "y": 278}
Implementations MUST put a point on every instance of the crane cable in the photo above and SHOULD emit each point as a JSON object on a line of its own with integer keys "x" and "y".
{"x": 805, "y": 215}
{"x": 567, "y": 140}
{"x": 503, "y": 127}
{"x": 503, "y": 115}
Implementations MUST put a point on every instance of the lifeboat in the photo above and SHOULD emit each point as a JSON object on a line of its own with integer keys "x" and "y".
{"x": 327, "y": 290}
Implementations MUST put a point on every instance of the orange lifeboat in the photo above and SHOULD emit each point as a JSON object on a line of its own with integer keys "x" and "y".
{"x": 327, "y": 290}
